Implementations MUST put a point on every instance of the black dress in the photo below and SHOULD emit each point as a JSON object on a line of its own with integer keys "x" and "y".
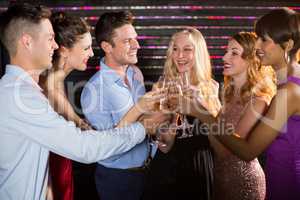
{"x": 186, "y": 172}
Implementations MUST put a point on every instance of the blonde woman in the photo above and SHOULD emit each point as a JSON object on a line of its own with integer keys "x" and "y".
{"x": 187, "y": 55}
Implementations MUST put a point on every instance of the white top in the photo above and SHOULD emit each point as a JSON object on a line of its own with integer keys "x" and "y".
{"x": 30, "y": 128}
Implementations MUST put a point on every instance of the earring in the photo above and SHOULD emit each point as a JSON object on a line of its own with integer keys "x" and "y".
{"x": 286, "y": 57}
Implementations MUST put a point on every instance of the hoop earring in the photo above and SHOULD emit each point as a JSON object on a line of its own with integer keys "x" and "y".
{"x": 286, "y": 57}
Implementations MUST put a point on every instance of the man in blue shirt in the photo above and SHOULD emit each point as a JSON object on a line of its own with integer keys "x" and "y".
{"x": 108, "y": 96}
{"x": 30, "y": 128}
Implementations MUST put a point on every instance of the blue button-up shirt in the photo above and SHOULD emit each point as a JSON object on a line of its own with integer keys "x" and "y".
{"x": 29, "y": 128}
{"x": 105, "y": 99}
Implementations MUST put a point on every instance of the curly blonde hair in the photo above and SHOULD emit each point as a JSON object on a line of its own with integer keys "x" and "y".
{"x": 201, "y": 74}
{"x": 261, "y": 81}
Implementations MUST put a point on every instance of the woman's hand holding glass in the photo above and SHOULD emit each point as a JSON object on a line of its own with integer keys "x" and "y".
{"x": 193, "y": 101}
{"x": 177, "y": 90}
{"x": 148, "y": 102}
{"x": 162, "y": 86}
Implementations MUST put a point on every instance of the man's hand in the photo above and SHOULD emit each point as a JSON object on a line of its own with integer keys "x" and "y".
{"x": 150, "y": 101}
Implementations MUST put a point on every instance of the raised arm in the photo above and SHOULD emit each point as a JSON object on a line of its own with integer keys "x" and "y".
{"x": 55, "y": 92}
{"x": 253, "y": 112}
{"x": 145, "y": 105}
{"x": 268, "y": 128}
{"x": 62, "y": 105}
{"x": 46, "y": 128}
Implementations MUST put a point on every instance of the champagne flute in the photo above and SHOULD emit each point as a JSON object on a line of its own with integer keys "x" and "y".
{"x": 185, "y": 80}
{"x": 161, "y": 84}
{"x": 184, "y": 124}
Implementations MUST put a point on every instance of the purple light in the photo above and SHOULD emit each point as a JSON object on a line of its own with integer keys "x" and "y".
{"x": 154, "y": 47}
{"x": 87, "y": 8}
{"x": 191, "y": 7}
{"x": 166, "y": 47}
{"x": 146, "y": 37}
{"x": 95, "y": 18}
{"x": 198, "y": 27}
{"x": 215, "y": 67}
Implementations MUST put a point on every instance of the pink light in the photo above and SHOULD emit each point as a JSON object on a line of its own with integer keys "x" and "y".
{"x": 216, "y": 57}
{"x": 215, "y": 17}
{"x": 216, "y": 47}
{"x": 92, "y": 18}
{"x": 196, "y": 7}
{"x": 97, "y": 67}
{"x": 199, "y": 27}
{"x": 87, "y": 8}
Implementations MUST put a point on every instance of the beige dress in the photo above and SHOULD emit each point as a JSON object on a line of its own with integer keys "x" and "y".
{"x": 236, "y": 179}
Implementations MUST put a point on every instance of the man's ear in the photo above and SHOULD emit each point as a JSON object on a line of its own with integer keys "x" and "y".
{"x": 26, "y": 40}
{"x": 106, "y": 46}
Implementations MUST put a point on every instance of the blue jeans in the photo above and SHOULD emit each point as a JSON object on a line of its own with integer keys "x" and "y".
{"x": 119, "y": 184}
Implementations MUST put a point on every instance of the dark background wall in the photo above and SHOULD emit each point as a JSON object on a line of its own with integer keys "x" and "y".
{"x": 155, "y": 22}
{"x": 3, "y": 59}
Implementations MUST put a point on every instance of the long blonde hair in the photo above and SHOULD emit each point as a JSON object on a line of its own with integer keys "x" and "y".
{"x": 202, "y": 68}
{"x": 260, "y": 79}
{"x": 201, "y": 74}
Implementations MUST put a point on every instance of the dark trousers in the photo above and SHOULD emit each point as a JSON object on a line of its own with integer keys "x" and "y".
{"x": 119, "y": 184}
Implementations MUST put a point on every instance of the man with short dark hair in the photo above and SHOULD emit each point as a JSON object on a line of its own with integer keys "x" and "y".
{"x": 116, "y": 88}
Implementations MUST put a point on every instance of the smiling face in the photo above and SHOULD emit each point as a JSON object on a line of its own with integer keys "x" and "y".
{"x": 124, "y": 50}
{"x": 234, "y": 64}
{"x": 78, "y": 55}
{"x": 43, "y": 45}
{"x": 183, "y": 53}
{"x": 269, "y": 52}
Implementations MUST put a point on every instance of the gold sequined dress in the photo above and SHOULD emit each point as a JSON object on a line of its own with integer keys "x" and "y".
{"x": 236, "y": 179}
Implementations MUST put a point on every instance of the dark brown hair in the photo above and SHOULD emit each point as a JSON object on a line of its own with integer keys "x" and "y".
{"x": 280, "y": 25}
{"x": 68, "y": 30}
{"x": 110, "y": 21}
